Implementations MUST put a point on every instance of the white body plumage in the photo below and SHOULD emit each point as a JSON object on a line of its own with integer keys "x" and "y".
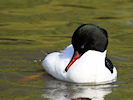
{"x": 89, "y": 68}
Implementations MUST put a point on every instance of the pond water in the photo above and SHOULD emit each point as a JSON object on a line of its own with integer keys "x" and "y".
{"x": 29, "y": 26}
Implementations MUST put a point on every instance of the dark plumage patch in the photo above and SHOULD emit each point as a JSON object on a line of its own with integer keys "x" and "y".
{"x": 90, "y": 37}
{"x": 109, "y": 64}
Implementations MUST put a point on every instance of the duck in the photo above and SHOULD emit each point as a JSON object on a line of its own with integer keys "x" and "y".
{"x": 84, "y": 60}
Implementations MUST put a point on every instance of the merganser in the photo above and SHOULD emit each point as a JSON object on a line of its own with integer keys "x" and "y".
{"x": 83, "y": 61}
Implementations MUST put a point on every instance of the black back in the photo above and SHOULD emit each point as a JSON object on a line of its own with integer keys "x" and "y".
{"x": 109, "y": 64}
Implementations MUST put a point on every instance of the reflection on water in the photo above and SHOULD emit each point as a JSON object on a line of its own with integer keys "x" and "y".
{"x": 76, "y": 6}
{"x": 13, "y": 41}
{"x": 106, "y": 18}
{"x": 59, "y": 90}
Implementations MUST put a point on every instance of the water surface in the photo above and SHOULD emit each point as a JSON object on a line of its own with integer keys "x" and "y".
{"x": 29, "y": 26}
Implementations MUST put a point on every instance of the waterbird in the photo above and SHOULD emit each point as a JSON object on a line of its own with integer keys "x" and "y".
{"x": 84, "y": 60}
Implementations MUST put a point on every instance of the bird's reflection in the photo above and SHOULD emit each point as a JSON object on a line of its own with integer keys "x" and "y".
{"x": 59, "y": 90}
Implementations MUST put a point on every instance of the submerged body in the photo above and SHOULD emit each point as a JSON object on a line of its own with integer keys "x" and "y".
{"x": 89, "y": 68}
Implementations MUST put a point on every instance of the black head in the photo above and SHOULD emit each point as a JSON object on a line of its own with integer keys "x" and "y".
{"x": 89, "y": 37}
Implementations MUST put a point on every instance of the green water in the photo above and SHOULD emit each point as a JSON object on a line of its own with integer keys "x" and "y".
{"x": 29, "y": 26}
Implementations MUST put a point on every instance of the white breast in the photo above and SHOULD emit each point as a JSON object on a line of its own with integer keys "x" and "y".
{"x": 90, "y": 67}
